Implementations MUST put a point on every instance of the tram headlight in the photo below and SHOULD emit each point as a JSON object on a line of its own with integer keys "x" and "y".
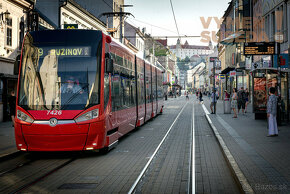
{"x": 88, "y": 116}
{"x": 24, "y": 117}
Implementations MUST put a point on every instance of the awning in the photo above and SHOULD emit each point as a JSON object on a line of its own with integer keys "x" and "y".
{"x": 227, "y": 70}
{"x": 176, "y": 85}
{"x": 232, "y": 39}
{"x": 166, "y": 83}
{"x": 2, "y": 75}
{"x": 272, "y": 69}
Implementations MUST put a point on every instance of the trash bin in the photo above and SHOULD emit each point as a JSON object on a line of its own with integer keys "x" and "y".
{"x": 227, "y": 106}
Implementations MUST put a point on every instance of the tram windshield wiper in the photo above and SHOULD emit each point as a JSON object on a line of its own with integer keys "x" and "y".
{"x": 74, "y": 96}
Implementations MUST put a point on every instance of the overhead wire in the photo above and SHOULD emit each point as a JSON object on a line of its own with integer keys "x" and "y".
{"x": 174, "y": 17}
{"x": 154, "y": 25}
{"x": 108, "y": 4}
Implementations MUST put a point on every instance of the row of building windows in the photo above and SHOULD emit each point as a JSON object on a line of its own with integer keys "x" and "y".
{"x": 276, "y": 22}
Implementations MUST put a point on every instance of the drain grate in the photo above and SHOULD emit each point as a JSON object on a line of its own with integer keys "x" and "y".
{"x": 78, "y": 186}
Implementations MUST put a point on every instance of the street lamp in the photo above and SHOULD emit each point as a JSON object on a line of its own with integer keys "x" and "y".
{"x": 4, "y": 16}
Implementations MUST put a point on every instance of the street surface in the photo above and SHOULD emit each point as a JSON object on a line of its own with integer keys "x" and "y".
{"x": 165, "y": 144}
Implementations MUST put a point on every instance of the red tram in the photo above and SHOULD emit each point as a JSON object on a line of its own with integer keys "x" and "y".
{"x": 79, "y": 90}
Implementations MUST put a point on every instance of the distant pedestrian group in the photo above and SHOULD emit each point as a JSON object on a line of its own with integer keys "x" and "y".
{"x": 239, "y": 101}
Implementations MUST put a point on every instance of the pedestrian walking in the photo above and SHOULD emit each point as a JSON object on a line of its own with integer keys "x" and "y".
{"x": 234, "y": 102}
{"x": 165, "y": 95}
{"x": 12, "y": 106}
{"x": 227, "y": 95}
{"x": 200, "y": 97}
{"x": 213, "y": 101}
{"x": 187, "y": 98}
{"x": 241, "y": 100}
{"x": 271, "y": 113}
{"x": 247, "y": 99}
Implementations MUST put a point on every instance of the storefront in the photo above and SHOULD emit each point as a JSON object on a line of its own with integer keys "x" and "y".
{"x": 8, "y": 83}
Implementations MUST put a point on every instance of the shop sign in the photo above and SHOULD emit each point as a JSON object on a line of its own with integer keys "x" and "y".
{"x": 249, "y": 63}
{"x": 284, "y": 61}
{"x": 233, "y": 73}
{"x": 212, "y": 59}
{"x": 70, "y": 26}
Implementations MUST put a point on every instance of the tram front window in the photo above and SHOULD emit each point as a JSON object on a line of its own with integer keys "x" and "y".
{"x": 56, "y": 77}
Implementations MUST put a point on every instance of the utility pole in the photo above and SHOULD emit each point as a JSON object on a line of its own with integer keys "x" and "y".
{"x": 121, "y": 14}
{"x": 121, "y": 25}
{"x": 279, "y": 119}
{"x": 121, "y": 21}
{"x": 214, "y": 92}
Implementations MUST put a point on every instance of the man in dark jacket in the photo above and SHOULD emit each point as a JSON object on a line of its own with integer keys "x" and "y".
{"x": 12, "y": 106}
{"x": 241, "y": 100}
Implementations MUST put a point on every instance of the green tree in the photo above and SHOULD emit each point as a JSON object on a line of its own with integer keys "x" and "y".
{"x": 187, "y": 59}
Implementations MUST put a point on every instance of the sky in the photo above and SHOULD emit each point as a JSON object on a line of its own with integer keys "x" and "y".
{"x": 188, "y": 13}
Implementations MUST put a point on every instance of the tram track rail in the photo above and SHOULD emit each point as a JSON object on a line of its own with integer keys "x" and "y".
{"x": 38, "y": 179}
{"x": 16, "y": 168}
{"x": 34, "y": 180}
{"x": 143, "y": 171}
{"x": 34, "y": 177}
{"x": 9, "y": 156}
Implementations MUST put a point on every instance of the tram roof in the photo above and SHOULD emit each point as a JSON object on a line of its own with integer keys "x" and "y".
{"x": 131, "y": 52}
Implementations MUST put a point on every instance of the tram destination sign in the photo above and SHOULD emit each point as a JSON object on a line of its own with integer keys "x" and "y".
{"x": 259, "y": 48}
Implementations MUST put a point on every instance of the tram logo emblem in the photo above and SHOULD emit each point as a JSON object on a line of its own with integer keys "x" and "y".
{"x": 53, "y": 122}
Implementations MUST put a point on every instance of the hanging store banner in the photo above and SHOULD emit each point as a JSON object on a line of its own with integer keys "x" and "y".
{"x": 249, "y": 63}
{"x": 284, "y": 61}
{"x": 233, "y": 73}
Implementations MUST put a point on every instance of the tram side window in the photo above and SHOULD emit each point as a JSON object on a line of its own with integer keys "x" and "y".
{"x": 153, "y": 84}
{"x": 148, "y": 90}
{"x": 106, "y": 80}
{"x": 133, "y": 89}
{"x": 142, "y": 89}
{"x": 159, "y": 86}
{"x": 148, "y": 85}
{"x": 115, "y": 86}
{"x": 123, "y": 84}
{"x": 133, "y": 83}
{"x": 106, "y": 90}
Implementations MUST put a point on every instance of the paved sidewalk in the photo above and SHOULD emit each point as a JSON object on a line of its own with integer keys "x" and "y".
{"x": 265, "y": 161}
{"x": 7, "y": 140}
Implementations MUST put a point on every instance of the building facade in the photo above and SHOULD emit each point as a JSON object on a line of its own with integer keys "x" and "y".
{"x": 134, "y": 38}
{"x": 13, "y": 26}
{"x": 257, "y": 21}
